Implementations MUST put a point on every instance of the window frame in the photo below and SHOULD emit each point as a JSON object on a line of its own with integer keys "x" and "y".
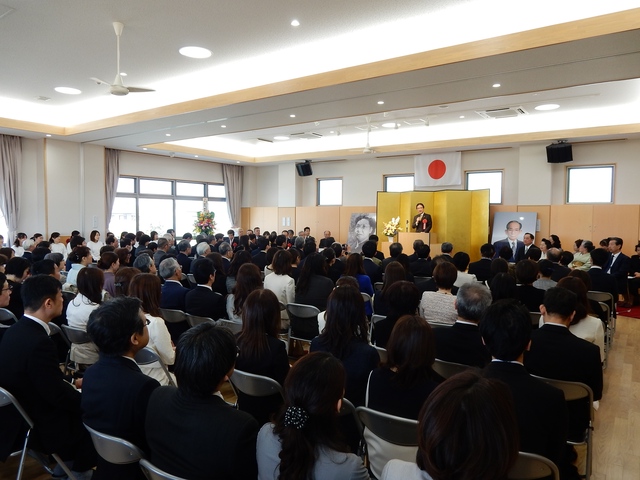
{"x": 319, "y": 181}
{"x": 385, "y": 177}
{"x": 492, "y": 170}
{"x": 589, "y": 167}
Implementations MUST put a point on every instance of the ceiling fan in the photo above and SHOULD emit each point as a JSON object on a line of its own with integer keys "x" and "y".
{"x": 367, "y": 149}
{"x": 117, "y": 88}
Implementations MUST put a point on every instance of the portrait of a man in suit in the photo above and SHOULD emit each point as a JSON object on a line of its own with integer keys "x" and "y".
{"x": 513, "y": 230}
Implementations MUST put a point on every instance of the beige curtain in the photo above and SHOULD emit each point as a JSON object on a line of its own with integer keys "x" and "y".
{"x": 10, "y": 162}
{"x": 232, "y": 177}
{"x": 112, "y": 174}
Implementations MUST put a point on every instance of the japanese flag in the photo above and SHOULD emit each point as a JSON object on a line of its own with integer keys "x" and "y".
{"x": 438, "y": 170}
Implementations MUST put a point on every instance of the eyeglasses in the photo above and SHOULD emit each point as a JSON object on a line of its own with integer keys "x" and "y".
{"x": 9, "y": 288}
{"x": 147, "y": 322}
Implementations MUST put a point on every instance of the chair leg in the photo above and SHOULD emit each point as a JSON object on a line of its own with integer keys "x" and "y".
{"x": 63, "y": 466}
{"x": 23, "y": 455}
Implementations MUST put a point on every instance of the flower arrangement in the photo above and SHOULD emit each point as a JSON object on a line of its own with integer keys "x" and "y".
{"x": 391, "y": 227}
{"x": 205, "y": 222}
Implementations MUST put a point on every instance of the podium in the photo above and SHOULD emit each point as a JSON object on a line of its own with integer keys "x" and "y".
{"x": 407, "y": 238}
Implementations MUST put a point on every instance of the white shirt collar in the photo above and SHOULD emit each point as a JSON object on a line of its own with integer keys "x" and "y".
{"x": 555, "y": 324}
{"x": 205, "y": 286}
{"x": 466, "y": 322}
{"x": 43, "y": 324}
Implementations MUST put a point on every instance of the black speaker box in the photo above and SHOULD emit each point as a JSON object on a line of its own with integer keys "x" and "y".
{"x": 304, "y": 169}
{"x": 559, "y": 153}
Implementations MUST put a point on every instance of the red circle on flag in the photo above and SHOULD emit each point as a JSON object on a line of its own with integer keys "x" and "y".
{"x": 437, "y": 169}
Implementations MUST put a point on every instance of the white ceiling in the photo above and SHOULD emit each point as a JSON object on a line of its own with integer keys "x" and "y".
{"x": 45, "y": 44}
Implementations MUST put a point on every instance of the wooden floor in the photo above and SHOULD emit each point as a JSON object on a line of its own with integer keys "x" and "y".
{"x": 617, "y": 423}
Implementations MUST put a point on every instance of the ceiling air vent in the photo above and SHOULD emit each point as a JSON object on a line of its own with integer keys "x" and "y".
{"x": 507, "y": 112}
{"x": 306, "y": 135}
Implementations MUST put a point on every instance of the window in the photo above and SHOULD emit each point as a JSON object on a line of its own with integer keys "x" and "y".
{"x": 590, "y": 184}
{"x": 483, "y": 180}
{"x": 151, "y": 204}
{"x": 330, "y": 191}
{"x": 398, "y": 183}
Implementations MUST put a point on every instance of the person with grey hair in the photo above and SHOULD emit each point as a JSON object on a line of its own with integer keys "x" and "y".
{"x": 299, "y": 242}
{"x": 144, "y": 263}
{"x": 446, "y": 248}
{"x": 173, "y": 294}
{"x": 163, "y": 248}
{"x": 226, "y": 250}
{"x": 184, "y": 250}
{"x": 462, "y": 343}
{"x": 203, "y": 249}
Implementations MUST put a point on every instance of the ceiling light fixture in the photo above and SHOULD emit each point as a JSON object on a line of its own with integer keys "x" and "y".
{"x": 196, "y": 156}
{"x": 461, "y": 116}
{"x": 281, "y": 137}
{"x": 144, "y": 148}
{"x": 167, "y": 134}
{"x": 390, "y": 125}
{"x": 223, "y": 126}
{"x": 48, "y": 135}
{"x": 292, "y": 115}
{"x": 68, "y": 90}
{"x": 496, "y": 85}
{"x": 380, "y": 102}
{"x": 195, "y": 52}
{"x": 295, "y": 23}
{"x": 546, "y": 107}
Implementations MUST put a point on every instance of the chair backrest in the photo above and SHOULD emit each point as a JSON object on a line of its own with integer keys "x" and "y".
{"x": 235, "y": 327}
{"x": 604, "y": 297}
{"x": 147, "y": 356}
{"x": 377, "y": 287}
{"x": 68, "y": 295}
{"x": 303, "y": 321}
{"x": 448, "y": 369}
{"x": 396, "y": 430}
{"x": 154, "y": 473}
{"x": 173, "y": 316}
{"x": 367, "y": 298}
{"x": 348, "y": 408}
{"x": 571, "y": 390}
{"x": 192, "y": 280}
{"x": 56, "y": 330}
{"x": 113, "y": 449}
{"x": 374, "y": 319}
{"x": 7, "y": 315}
{"x": 76, "y": 335}
{"x": 255, "y": 385}
{"x": 6, "y": 398}
{"x": 530, "y": 466}
{"x": 194, "y": 320}
{"x": 382, "y": 352}
{"x": 535, "y": 319}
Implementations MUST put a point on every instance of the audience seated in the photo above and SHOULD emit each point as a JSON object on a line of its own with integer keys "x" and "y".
{"x": 261, "y": 352}
{"x": 482, "y": 268}
{"x": 89, "y": 297}
{"x": 184, "y": 251}
{"x": 191, "y": 431}
{"x": 421, "y": 267}
{"x": 461, "y": 343}
{"x": 464, "y": 403}
{"x": 279, "y": 282}
{"x": 355, "y": 268}
{"x": 304, "y": 441}
{"x": 439, "y": 306}
{"x": 403, "y": 298}
{"x": 115, "y": 393}
{"x": 80, "y": 257}
{"x": 395, "y": 249}
{"x": 173, "y": 294}
{"x": 601, "y": 281}
{"x": 559, "y": 271}
{"x": 248, "y": 280}
{"x": 335, "y": 268}
{"x": 17, "y": 269}
{"x": 239, "y": 259}
{"x": 461, "y": 261}
{"x": 123, "y": 279}
{"x": 540, "y": 408}
{"x": 313, "y": 286}
{"x": 618, "y": 267}
{"x": 371, "y": 267}
{"x": 530, "y": 296}
{"x": 394, "y": 272}
{"x": 109, "y": 264}
{"x": 503, "y": 286}
{"x": 144, "y": 263}
{"x": 202, "y": 300}
{"x": 544, "y": 281}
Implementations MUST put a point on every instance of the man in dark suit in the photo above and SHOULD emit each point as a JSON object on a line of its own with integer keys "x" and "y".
{"x": 31, "y": 373}
{"x": 227, "y": 254}
{"x": 422, "y": 267}
{"x": 461, "y": 343}
{"x": 557, "y": 353}
{"x": 115, "y": 393}
{"x": 231, "y": 239}
{"x": 327, "y": 241}
{"x": 541, "y": 410}
{"x": 559, "y": 270}
{"x": 372, "y": 269}
{"x": 601, "y": 281}
{"x": 173, "y": 294}
{"x": 513, "y": 230}
{"x": 202, "y": 300}
{"x": 527, "y": 244}
{"x": 184, "y": 251}
{"x": 530, "y": 296}
{"x": 619, "y": 266}
{"x": 395, "y": 249}
{"x": 260, "y": 257}
{"x": 416, "y": 246}
{"x": 191, "y": 429}
{"x": 482, "y": 268}
{"x": 422, "y": 221}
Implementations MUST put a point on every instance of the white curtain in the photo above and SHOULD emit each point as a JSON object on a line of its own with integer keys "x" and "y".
{"x": 112, "y": 174}
{"x": 232, "y": 177}
{"x": 10, "y": 162}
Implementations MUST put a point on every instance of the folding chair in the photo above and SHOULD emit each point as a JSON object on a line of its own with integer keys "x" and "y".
{"x": 530, "y": 466}
{"x": 173, "y": 316}
{"x": 253, "y": 385}
{"x": 367, "y": 299}
{"x": 7, "y": 399}
{"x": 113, "y": 449}
{"x": 608, "y": 333}
{"x": 377, "y": 287}
{"x": 448, "y": 369}
{"x": 374, "y": 319}
{"x": 388, "y": 437}
{"x": 607, "y": 298}
{"x": 192, "y": 280}
{"x": 147, "y": 356}
{"x": 154, "y": 473}
{"x": 382, "y": 353}
{"x": 231, "y": 325}
{"x": 303, "y": 322}
{"x": 74, "y": 336}
{"x": 7, "y": 316}
{"x": 194, "y": 320}
{"x": 535, "y": 319}
{"x": 578, "y": 391}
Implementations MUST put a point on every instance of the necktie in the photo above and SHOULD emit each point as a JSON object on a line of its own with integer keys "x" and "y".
{"x": 513, "y": 248}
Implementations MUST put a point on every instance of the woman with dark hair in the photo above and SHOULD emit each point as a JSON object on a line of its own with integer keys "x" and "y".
{"x": 239, "y": 259}
{"x": 123, "y": 278}
{"x": 95, "y": 244}
{"x": 404, "y": 299}
{"x": 80, "y": 257}
{"x": 584, "y": 324}
{"x": 88, "y": 298}
{"x": 345, "y": 335}
{"x": 461, "y": 261}
{"x": 56, "y": 244}
{"x": 248, "y": 280}
{"x": 545, "y": 245}
{"x": 146, "y": 287}
{"x": 467, "y": 429}
{"x": 582, "y": 256}
{"x": 394, "y": 272}
{"x": 124, "y": 255}
{"x": 153, "y": 235}
{"x": 313, "y": 286}
{"x": 109, "y": 263}
{"x": 498, "y": 265}
{"x": 279, "y": 281}
{"x": 304, "y": 441}
{"x": 243, "y": 244}
{"x": 403, "y": 259}
{"x": 503, "y": 286}
{"x": 555, "y": 242}
{"x": 17, "y": 244}
{"x": 220, "y": 283}
{"x": 268, "y": 268}
{"x": 439, "y": 306}
{"x": 355, "y": 268}
{"x": 260, "y": 351}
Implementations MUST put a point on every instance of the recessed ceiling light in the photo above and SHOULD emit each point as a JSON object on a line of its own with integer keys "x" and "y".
{"x": 443, "y": 106}
{"x": 380, "y": 102}
{"x": 48, "y": 135}
{"x": 496, "y": 85}
{"x": 223, "y": 126}
{"x": 195, "y": 52}
{"x": 196, "y": 156}
{"x": 331, "y": 131}
{"x": 390, "y": 125}
{"x": 122, "y": 74}
{"x": 167, "y": 134}
{"x": 293, "y": 115}
{"x": 238, "y": 161}
{"x": 68, "y": 90}
{"x": 295, "y": 23}
{"x": 281, "y": 137}
{"x": 144, "y": 148}
{"x": 547, "y": 106}
{"x": 461, "y": 116}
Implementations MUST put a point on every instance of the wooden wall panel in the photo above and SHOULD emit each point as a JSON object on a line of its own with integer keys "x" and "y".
{"x": 544, "y": 216}
{"x": 570, "y": 222}
{"x": 264, "y": 217}
{"x": 617, "y": 221}
{"x": 327, "y": 218}
{"x": 285, "y": 213}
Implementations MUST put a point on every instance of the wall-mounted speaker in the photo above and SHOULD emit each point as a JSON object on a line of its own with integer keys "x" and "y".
{"x": 559, "y": 153}
{"x": 304, "y": 169}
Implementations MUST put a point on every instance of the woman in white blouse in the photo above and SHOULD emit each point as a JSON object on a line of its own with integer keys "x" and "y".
{"x": 146, "y": 287}
{"x": 80, "y": 257}
{"x": 279, "y": 282}
{"x": 95, "y": 244}
{"x": 89, "y": 297}
{"x": 57, "y": 246}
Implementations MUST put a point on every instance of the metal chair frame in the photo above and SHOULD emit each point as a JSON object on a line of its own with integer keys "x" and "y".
{"x": 5, "y": 315}
{"x": 147, "y": 356}
{"x": 173, "y": 316}
{"x": 231, "y": 325}
{"x": 299, "y": 313}
{"x": 154, "y": 473}
{"x": 114, "y": 449}
{"x": 194, "y": 320}
{"x": 530, "y": 466}
{"x": 449, "y": 369}
{"x": 254, "y": 385}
